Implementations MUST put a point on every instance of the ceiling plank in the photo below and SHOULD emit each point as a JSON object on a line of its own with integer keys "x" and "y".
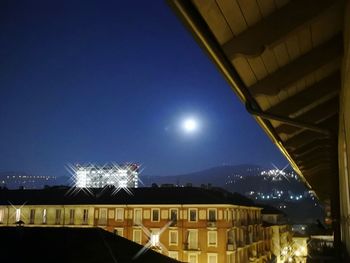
{"x": 299, "y": 68}
{"x": 273, "y": 28}
{"x": 326, "y": 86}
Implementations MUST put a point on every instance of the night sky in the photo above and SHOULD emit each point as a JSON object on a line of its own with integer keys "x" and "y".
{"x": 102, "y": 81}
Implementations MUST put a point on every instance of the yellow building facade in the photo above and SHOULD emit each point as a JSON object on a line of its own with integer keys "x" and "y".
{"x": 190, "y": 232}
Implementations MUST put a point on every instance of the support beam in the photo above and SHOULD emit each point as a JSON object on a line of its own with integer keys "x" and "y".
{"x": 302, "y": 139}
{"x": 326, "y": 87}
{"x": 314, "y": 155}
{"x": 314, "y": 145}
{"x": 304, "y": 164}
{"x": 320, "y": 158}
{"x": 309, "y": 136}
{"x": 299, "y": 68}
{"x": 313, "y": 150}
{"x": 274, "y": 28}
{"x": 314, "y": 116}
{"x": 317, "y": 169}
{"x": 303, "y": 125}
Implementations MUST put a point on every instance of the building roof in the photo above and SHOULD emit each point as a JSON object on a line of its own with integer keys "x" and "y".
{"x": 88, "y": 245}
{"x": 268, "y": 209}
{"x": 283, "y": 60}
{"x": 152, "y": 195}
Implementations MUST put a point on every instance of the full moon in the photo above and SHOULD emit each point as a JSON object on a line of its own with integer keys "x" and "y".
{"x": 190, "y": 125}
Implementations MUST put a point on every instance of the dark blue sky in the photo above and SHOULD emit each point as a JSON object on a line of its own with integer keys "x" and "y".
{"x": 101, "y": 81}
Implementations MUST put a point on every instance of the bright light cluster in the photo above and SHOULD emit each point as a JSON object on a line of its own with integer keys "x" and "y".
{"x": 154, "y": 240}
{"x": 85, "y": 177}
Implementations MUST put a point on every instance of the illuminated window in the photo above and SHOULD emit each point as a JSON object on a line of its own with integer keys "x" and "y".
{"x": 212, "y": 238}
{"x": 103, "y": 216}
{"x": 230, "y": 258}
{"x": 44, "y": 216}
{"x": 155, "y": 215}
{"x": 32, "y": 216}
{"x": 212, "y": 258}
{"x": 192, "y": 258}
{"x": 231, "y": 237}
{"x": 154, "y": 238}
{"x": 192, "y": 239}
{"x": 212, "y": 215}
{"x": 71, "y": 216}
{"x": 173, "y": 215}
{"x": 58, "y": 217}
{"x": 137, "y": 216}
{"x": 2, "y": 215}
{"x": 136, "y": 236}
{"x": 119, "y": 231}
{"x": 119, "y": 213}
{"x": 173, "y": 237}
{"x": 85, "y": 216}
{"x": 173, "y": 254}
{"x": 193, "y": 215}
{"x": 18, "y": 214}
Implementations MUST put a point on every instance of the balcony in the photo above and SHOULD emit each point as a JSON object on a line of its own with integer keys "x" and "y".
{"x": 236, "y": 223}
{"x": 231, "y": 246}
{"x": 190, "y": 246}
{"x": 211, "y": 223}
{"x": 240, "y": 243}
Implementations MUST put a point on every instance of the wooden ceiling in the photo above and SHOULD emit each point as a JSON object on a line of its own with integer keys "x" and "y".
{"x": 283, "y": 60}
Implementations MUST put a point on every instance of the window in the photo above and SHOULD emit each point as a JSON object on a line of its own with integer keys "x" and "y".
{"x": 18, "y": 214}
{"x": 119, "y": 214}
{"x": 212, "y": 215}
{"x": 173, "y": 237}
{"x": 212, "y": 258}
{"x": 212, "y": 238}
{"x": 137, "y": 216}
{"x": 71, "y": 216}
{"x": 154, "y": 238}
{"x": 85, "y": 216}
{"x": 155, "y": 215}
{"x": 2, "y": 215}
{"x": 173, "y": 215}
{"x": 231, "y": 237}
{"x": 58, "y": 217}
{"x": 44, "y": 216}
{"x": 103, "y": 216}
{"x": 32, "y": 216}
{"x": 193, "y": 215}
{"x": 136, "y": 237}
{"x": 192, "y": 258}
{"x": 173, "y": 254}
{"x": 192, "y": 239}
{"x": 230, "y": 258}
{"x": 119, "y": 231}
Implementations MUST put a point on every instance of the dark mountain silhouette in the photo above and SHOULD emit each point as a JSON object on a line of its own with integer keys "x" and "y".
{"x": 252, "y": 181}
{"x": 217, "y": 176}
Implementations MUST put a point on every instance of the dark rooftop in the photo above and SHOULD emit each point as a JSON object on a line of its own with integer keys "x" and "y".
{"x": 153, "y": 195}
{"x": 268, "y": 209}
{"x": 88, "y": 245}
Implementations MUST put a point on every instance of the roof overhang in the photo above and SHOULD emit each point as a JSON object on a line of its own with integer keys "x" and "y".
{"x": 282, "y": 59}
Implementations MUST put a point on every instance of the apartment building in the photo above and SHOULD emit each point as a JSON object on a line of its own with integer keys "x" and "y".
{"x": 278, "y": 236}
{"x": 186, "y": 223}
